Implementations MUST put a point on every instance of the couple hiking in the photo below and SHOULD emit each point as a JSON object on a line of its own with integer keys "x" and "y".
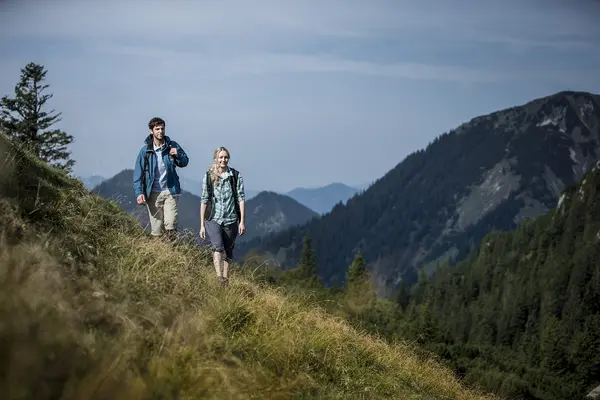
{"x": 222, "y": 208}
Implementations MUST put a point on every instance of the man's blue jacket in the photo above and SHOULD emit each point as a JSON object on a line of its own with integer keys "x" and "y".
{"x": 143, "y": 172}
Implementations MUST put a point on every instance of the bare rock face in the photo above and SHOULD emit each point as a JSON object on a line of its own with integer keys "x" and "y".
{"x": 550, "y": 143}
{"x": 594, "y": 394}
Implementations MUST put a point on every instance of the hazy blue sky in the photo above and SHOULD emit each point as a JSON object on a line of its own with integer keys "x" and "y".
{"x": 303, "y": 93}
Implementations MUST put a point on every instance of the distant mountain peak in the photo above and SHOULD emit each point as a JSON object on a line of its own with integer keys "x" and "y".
{"x": 91, "y": 181}
{"x": 267, "y": 193}
{"x": 548, "y": 110}
{"x": 269, "y": 212}
{"x": 323, "y": 199}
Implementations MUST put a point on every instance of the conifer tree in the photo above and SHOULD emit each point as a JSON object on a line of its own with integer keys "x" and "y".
{"x": 403, "y": 295}
{"x": 308, "y": 261}
{"x": 24, "y": 120}
{"x": 357, "y": 272}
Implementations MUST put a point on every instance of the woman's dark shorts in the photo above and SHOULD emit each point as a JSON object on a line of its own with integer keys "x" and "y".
{"x": 222, "y": 237}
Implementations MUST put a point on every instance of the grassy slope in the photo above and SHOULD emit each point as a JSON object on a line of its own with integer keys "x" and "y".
{"x": 92, "y": 308}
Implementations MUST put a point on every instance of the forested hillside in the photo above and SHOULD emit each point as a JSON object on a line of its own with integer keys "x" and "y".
{"x": 522, "y": 313}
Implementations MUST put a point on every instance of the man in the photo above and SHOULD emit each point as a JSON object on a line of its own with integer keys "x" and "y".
{"x": 155, "y": 180}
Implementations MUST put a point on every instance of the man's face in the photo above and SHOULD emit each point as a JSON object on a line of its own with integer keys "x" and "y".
{"x": 158, "y": 132}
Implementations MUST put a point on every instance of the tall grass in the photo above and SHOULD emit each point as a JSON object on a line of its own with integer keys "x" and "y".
{"x": 92, "y": 308}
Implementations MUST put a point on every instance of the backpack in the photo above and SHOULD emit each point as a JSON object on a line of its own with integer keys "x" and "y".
{"x": 209, "y": 188}
{"x": 146, "y": 168}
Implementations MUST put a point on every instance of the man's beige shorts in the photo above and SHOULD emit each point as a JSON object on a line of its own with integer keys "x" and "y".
{"x": 162, "y": 211}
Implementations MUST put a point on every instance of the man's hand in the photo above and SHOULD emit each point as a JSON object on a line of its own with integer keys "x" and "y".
{"x": 242, "y": 228}
{"x": 202, "y": 232}
{"x": 141, "y": 199}
{"x": 173, "y": 152}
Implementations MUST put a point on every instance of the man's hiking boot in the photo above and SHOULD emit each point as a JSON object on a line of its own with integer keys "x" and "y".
{"x": 170, "y": 235}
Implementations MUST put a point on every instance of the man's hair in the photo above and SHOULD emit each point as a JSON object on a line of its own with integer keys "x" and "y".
{"x": 156, "y": 121}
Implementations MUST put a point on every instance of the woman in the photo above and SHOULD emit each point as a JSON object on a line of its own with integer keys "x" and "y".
{"x": 223, "y": 200}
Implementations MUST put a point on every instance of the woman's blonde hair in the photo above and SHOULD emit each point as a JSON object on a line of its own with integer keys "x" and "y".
{"x": 214, "y": 171}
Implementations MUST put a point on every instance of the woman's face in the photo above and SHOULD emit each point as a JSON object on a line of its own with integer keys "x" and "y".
{"x": 222, "y": 159}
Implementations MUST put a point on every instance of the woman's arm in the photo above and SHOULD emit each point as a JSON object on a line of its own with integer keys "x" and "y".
{"x": 242, "y": 210}
{"x": 242, "y": 202}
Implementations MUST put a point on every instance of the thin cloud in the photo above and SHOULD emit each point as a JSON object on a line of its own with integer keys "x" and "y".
{"x": 166, "y": 62}
{"x": 298, "y": 63}
{"x": 266, "y": 63}
{"x": 157, "y": 19}
{"x": 532, "y": 24}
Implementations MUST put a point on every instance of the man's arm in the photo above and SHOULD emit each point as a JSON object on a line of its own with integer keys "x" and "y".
{"x": 182, "y": 159}
{"x": 138, "y": 170}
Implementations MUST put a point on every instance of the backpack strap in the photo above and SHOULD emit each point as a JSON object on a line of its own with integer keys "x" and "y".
{"x": 209, "y": 185}
{"x": 233, "y": 182}
{"x": 209, "y": 190}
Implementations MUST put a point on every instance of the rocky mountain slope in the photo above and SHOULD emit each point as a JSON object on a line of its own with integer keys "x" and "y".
{"x": 490, "y": 173}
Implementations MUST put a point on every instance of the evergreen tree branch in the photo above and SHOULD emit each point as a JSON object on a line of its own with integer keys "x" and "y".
{"x": 24, "y": 120}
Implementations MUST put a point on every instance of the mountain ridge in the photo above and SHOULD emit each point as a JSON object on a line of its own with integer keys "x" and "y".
{"x": 491, "y": 172}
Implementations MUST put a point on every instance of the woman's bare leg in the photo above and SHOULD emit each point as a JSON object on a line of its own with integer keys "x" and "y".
{"x": 218, "y": 262}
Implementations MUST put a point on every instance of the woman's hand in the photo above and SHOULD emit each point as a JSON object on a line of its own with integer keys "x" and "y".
{"x": 202, "y": 232}
{"x": 241, "y": 228}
